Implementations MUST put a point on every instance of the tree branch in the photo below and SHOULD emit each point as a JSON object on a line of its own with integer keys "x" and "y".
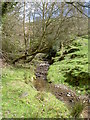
{"x": 72, "y": 3}
{"x": 32, "y": 54}
{"x": 87, "y": 6}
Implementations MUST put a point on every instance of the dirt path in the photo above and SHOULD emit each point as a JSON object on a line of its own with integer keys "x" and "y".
{"x": 61, "y": 91}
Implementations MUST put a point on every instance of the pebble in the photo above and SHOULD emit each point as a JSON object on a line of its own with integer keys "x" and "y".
{"x": 68, "y": 94}
{"x": 61, "y": 98}
{"x": 89, "y": 101}
{"x": 84, "y": 101}
{"x": 79, "y": 97}
{"x": 57, "y": 86}
{"x": 60, "y": 94}
{"x": 72, "y": 95}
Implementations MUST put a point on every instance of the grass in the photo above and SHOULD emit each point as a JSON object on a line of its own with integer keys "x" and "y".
{"x": 77, "y": 110}
{"x": 21, "y": 100}
{"x": 73, "y": 70}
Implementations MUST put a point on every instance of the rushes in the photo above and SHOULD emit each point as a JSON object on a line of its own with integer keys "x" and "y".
{"x": 77, "y": 109}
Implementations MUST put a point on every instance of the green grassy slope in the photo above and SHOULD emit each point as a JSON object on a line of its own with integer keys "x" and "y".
{"x": 21, "y": 100}
{"x": 73, "y": 70}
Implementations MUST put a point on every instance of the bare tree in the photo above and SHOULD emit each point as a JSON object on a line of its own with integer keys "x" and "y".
{"x": 48, "y": 24}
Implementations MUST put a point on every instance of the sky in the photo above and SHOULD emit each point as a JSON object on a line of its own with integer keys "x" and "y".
{"x": 28, "y": 6}
{"x": 45, "y": 0}
{"x": 86, "y": 11}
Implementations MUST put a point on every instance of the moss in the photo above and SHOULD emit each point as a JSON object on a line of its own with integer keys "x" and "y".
{"x": 72, "y": 71}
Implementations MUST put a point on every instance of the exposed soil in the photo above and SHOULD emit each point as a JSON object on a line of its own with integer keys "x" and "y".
{"x": 61, "y": 91}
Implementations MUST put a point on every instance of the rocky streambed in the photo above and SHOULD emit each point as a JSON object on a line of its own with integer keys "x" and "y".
{"x": 61, "y": 91}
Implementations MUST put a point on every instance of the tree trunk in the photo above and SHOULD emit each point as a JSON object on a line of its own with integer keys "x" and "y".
{"x": 62, "y": 48}
{"x": 25, "y": 42}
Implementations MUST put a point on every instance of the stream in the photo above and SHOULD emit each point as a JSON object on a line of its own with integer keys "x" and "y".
{"x": 62, "y": 92}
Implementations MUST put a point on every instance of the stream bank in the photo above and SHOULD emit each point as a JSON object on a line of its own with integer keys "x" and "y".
{"x": 61, "y": 92}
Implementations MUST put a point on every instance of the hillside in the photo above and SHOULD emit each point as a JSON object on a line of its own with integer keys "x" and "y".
{"x": 71, "y": 69}
{"x": 21, "y": 99}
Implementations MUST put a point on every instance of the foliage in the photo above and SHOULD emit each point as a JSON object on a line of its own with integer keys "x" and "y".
{"x": 22, "y": 100}
{"x": 12, "y": 40}
{"x": 7, "y": 6}
{"x": 73, "y": 70}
